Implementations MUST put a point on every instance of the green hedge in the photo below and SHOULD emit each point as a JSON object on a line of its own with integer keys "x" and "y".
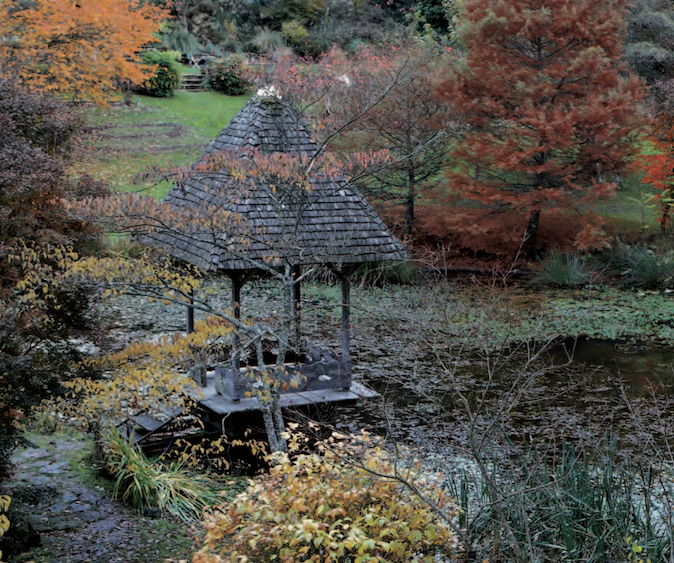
{"x": 226, "y": 76}
{"x": 165, "y": 79}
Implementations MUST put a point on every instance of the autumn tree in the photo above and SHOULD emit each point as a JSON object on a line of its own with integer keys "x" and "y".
{"x": 657, "y": 158}
{"x": 79, "y": 49}
{"x": 40, "y": 307}
{"x": 411, "y": 122}
{"x": 551, "y": 113}
{"x": 379, "y": 101}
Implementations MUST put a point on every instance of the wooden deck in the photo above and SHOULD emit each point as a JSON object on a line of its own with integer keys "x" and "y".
{"x": 208, "y": 397}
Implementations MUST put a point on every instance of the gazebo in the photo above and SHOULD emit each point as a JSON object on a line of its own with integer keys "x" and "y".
{"x": 325, "y": 220}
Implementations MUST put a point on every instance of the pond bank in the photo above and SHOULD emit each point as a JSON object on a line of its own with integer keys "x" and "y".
{"x": 56, "y": 491}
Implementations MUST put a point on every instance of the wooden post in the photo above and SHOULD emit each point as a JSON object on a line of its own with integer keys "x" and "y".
{"x": 346, "y": 321}
{"x": 297, "y": 293}
{"x": 236, "y": 311}
{"x": 236, "y": 295}
{"x": 190, "y": 314}
{"x": 343, "y": 275}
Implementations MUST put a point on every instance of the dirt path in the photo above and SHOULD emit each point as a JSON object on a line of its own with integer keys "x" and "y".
{"x": 76, "y": 517}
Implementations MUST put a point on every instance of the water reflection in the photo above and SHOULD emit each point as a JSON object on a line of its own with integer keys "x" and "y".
{"x": 639, "y": 364}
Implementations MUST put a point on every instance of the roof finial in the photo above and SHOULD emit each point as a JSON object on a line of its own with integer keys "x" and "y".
{"x": 268, "y": 92}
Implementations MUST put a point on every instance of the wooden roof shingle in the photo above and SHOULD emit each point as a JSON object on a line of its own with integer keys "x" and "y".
{"x": 324, "y": 221}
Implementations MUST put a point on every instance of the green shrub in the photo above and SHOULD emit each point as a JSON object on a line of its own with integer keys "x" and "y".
{"x": 226, "y": 77}
{"x": 143, "y": 483}
{"x": 641, "y": 267}
{"x": 383, "y": 273}
{"x": 329, "y": 506}
{"x": 294, "y": 32}
{"x": 165, "y": 80}
{"x": 565, "y": 270}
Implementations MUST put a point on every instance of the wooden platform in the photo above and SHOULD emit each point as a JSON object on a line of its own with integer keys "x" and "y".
{"x": 208, "y": 397}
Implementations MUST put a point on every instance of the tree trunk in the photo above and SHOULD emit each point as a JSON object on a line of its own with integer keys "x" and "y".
{"x": 665, "y": 218}
{"x": 531, "y": 234}
{"x": 269, "y": 426}
{"x": 271, "y": 410}
{"x": 408, "y": 226}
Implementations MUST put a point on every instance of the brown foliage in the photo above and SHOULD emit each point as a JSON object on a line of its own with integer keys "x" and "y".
{"x": 473, "y": 235}
{"x": 39, "y": 308}
{"x": 551, "y": 115}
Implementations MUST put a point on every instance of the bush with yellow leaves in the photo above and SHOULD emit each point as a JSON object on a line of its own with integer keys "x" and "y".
{"x": 345, "y": 502}
{"x": 5, "y": 501}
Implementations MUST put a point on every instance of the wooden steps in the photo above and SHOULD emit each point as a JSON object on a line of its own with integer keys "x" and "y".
{"x": 191, "y": 82}
{"x": 141, "y": 427}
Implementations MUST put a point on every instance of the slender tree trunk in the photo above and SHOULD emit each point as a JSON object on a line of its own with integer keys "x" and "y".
{"x": 408, "y": 226}
{"x": 665, "y": 218}
{"x": 270, "y": 429}
{"x": 531, "y": 234}
{"x": 271, "y": 410}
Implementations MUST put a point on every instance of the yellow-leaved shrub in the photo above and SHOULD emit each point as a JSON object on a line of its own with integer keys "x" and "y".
{"x": 146, "y": 376}
{"x": 341, "y": 503}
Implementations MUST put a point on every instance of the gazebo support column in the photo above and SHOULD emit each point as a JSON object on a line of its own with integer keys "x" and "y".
{"x": 297, "y": 297}
{"x": 237, "y": 284}
{"x": 239, "y": 279}
{"x": 343, "y": 276}
{"x": 346, "y": 322}
{"x": 236, "y": 295}
{"x": 189, "y": 317}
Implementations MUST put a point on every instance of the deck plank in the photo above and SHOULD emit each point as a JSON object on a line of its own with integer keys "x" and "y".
{"x": 209, "y": 398}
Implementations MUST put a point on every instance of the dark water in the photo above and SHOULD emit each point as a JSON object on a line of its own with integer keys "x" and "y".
{"x": 640, "y": 365}
{"x": 594, "y": 394}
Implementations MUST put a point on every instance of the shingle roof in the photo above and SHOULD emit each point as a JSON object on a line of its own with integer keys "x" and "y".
{"x": 267, "y": 125}
{"x": 325, "y": 221}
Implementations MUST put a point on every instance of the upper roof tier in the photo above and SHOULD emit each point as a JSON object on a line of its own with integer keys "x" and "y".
{"x": 274, "y": 220}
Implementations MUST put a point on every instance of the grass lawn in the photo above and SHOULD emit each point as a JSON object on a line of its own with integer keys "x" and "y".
{"x": 186, "y": 69}
{"x": 128, "y": 140}
{"x": 631, "y": 210}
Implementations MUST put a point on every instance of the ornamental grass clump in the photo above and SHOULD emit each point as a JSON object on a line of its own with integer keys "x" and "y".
{"x": 341, "y": 503}
{"x": 642, "y": 267}
{"x": 565, "y": 270}
{"x": 145, "y": 483}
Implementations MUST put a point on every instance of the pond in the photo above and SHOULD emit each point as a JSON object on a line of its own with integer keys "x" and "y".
{"x": 579, "y": 390}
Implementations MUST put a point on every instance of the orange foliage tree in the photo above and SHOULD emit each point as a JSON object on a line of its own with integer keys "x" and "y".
{"x": 551, "y": 114}
{"x": 658, "y": 163}
{"x": 81, "y": 49}
{"x": 659, "y": 168}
